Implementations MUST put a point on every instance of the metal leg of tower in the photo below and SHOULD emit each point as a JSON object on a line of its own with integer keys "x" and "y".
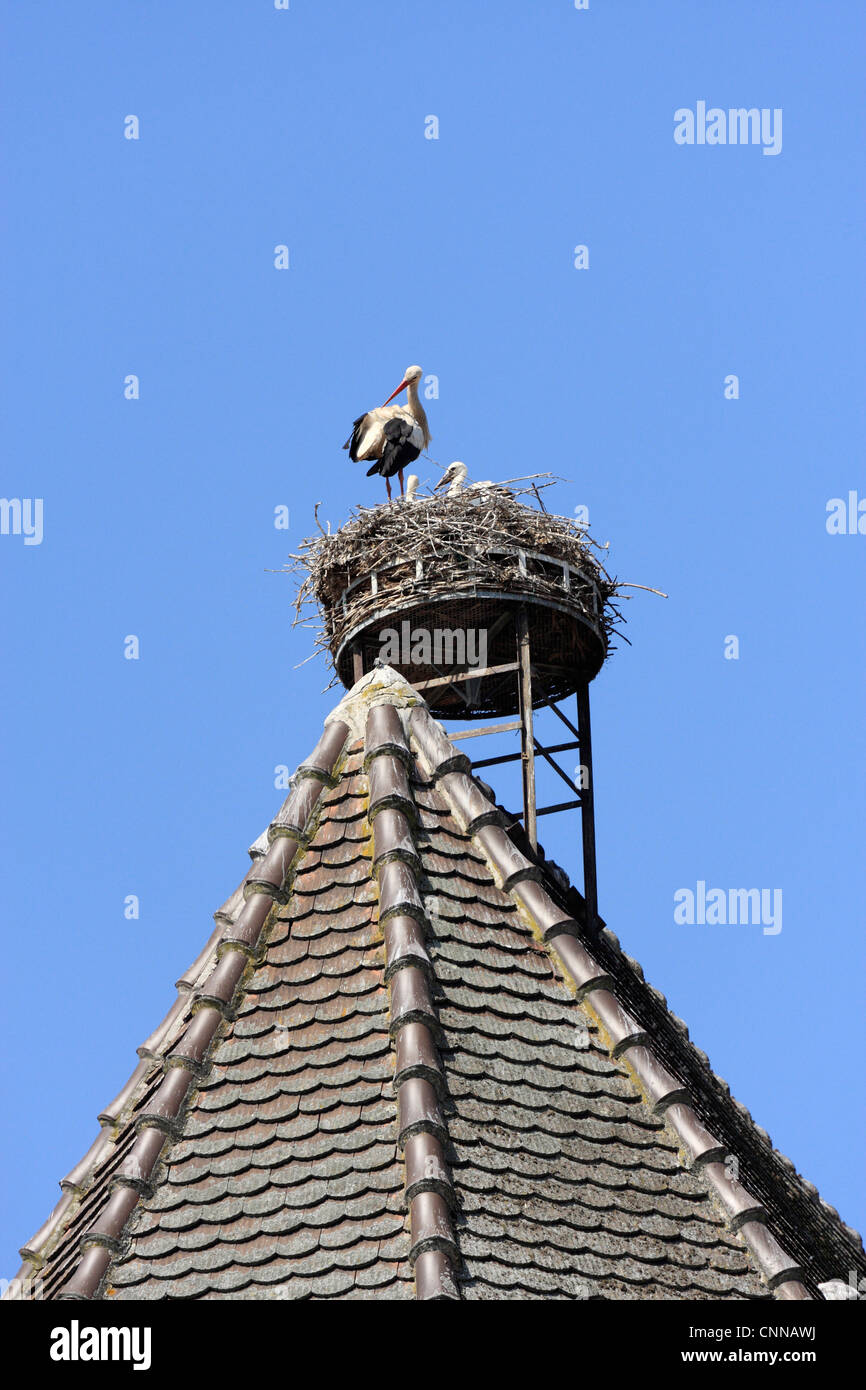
{"x": 527, "y": 740}
{"x": 587, "y": 810}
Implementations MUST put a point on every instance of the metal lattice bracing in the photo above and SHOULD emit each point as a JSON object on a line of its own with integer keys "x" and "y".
{"x": 531, "y": 689}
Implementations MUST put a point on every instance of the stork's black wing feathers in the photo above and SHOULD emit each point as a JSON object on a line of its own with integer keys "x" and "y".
{"x": 355, "y": 438}
{"x": 398, "y": 451}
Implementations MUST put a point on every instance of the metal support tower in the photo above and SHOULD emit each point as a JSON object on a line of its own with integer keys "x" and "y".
{"x": 531, "y": 693}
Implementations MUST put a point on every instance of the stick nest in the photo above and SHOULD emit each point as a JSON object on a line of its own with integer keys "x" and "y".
{"x": 464, "y": 543}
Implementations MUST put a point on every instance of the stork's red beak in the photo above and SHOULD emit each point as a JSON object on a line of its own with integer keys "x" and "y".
{"x": 401, "y": 387}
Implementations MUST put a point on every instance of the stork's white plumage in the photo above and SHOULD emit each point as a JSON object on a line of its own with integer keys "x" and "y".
{"x": 392, "y": 435}
{"x": 412, "y": 486}
{"x": 455, "y": 476}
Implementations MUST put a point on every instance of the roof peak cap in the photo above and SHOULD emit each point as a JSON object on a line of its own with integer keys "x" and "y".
{"x": 381, "y": 686}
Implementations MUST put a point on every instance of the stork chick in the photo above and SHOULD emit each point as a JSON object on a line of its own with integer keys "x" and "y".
{"x": 455, "y": 476}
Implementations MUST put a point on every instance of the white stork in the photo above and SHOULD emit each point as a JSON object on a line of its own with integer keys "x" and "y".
{"x": 412, "y": 486}
{"x": 455, "y": 476}
{"x": 392, "y": 435}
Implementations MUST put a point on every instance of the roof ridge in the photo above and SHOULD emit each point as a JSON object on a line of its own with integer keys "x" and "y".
{"x": 205, "y": 994}
{"x": 561, "y": 933}
{"x": 419, "y": 1078}
{"x": 723, "y": 1090}
{"x": 563, "y": 888}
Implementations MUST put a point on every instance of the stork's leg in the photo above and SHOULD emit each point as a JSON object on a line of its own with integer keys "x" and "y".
{"x": 388, "y": 486}
{"x": 400, "y": 476}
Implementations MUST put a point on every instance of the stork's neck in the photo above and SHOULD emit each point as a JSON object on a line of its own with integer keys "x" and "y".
{"x": 416, "y": 409}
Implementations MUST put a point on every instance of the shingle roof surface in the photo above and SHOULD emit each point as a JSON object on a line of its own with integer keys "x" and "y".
{"x": 406, "y": 1082}
{"x": 287, "y": 1179}
{"x": 568, "y": 1186}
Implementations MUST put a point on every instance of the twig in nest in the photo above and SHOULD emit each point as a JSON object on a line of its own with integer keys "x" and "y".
{"x": 538, "y": 498}
{"x": 624, "y": 584}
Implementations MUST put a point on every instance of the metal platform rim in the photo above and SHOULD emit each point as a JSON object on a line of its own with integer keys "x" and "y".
{"x": 570, "y": 609}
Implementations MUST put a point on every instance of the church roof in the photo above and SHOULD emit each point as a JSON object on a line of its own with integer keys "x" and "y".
{"x": 403, "y": 1067}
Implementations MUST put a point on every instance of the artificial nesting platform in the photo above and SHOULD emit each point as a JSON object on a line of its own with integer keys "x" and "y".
{"x": 441, "y": 585}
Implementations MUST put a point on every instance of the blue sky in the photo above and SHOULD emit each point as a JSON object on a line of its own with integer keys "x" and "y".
{"x": 156, "y": 257}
